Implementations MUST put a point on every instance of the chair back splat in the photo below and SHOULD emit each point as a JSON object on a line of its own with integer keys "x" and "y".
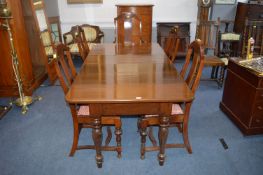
{"x": 128, "y": 29}
{"x": 172, "y": 44}
{"x": 64, "y": 66}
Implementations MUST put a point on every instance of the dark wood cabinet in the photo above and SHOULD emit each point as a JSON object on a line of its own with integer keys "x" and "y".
{"x": 250, "y": 12}
{"x": 144, "y": 11}
{"x": 29, "y": 48}
{"x": 243, "y": 98}
{"x": 163, "y": 29}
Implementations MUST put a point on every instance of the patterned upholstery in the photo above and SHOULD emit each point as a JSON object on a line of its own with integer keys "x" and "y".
{"x": 69, "y": 38}
{"x": 46, "y": 38}
{"x": 230, "y": 36}
{"x": 83, "y": 110}
{"x": 90, "y": 33}
{"x": 49, "y": 50}
{"x": 176, "y": 110}
{"x": 73, "y": 48}
{"x": 91, "y": 45}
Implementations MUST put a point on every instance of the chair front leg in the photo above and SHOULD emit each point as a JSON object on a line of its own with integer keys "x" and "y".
{"x": 118, "y": 133}
{"x": 109, "y": 136}
{"x": 163, "y": 134}
{"x": 76, "y": 131}
{"x": 185, "y": 128}
{"x": 143, "y": 131}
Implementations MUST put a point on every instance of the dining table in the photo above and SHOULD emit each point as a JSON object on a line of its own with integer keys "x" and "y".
{"x": 128, "y": 80}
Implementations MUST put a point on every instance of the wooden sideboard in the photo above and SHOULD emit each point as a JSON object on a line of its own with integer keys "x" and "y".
{"x": 250, "y": 12}
{"x": 243, "y": 98}
{"x": 144, "y": 11}
{"x": 163, "y": 29}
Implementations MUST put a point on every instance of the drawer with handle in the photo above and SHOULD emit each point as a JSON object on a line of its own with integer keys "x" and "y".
{"x": 257, "y": 117}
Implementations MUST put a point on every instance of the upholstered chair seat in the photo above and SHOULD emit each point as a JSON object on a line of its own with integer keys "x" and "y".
{"x": 46, "y": 40}
{"x": 49, "y": 50}
{"x": 176, "y": 109}
{"x": 83, "y": 110}
{"x": 73, "y": 48}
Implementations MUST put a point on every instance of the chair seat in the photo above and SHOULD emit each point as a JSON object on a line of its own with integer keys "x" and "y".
{"x": 74, "y": 48}
{"x": 49, "y": 51}
{"x": 83, "y": 110}
{"x": 91, "y": 45}
{"x": 176, "y": 110}
{"x": 213, "y": 61}
{"x": 225, "y": 60}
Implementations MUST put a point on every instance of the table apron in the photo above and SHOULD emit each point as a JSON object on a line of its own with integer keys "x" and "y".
{"x": 109, "y": 109}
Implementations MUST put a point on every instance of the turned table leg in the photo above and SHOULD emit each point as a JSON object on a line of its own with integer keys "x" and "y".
{"x": 163, "y": 134}
{"x": 97, "y": 139}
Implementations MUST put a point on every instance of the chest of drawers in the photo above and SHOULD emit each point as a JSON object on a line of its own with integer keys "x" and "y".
{"x": 242, "y": 99}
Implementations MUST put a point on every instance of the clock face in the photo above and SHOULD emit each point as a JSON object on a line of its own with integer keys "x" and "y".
{"x": 206, "y": 3}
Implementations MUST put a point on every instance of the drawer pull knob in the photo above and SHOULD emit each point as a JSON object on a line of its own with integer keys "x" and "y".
{"x": 260, "y": 107}
{"x": 258, "y": 121}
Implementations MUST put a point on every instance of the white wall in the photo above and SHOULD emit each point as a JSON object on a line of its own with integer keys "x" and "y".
{"x": 51, "y": 7}
{"x": 103, "y": 14}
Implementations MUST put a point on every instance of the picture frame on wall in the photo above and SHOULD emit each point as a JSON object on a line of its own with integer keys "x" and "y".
{"x": 84, "y": 1}
{"x": 225, "y": 1}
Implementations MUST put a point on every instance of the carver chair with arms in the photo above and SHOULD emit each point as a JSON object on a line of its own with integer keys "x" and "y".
{"x": 48, "y": 44}
{"x": 80, "y": 113}
{"x": 179, "y": 117}
{"x": 76, "y": 41}
{"x": 128, "y": 29}
{"x": 93, "y": 33}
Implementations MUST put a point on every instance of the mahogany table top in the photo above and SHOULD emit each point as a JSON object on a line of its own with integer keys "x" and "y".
{"x": 142, "y": 75}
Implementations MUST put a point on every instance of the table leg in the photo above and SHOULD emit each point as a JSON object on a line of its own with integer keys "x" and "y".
{"x": 97, "y": 139}
{"x": 163, "y": 134}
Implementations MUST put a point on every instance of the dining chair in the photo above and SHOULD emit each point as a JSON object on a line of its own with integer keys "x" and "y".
{"x": 172, "y": 43}
{"x": 76, "y": 41}
{"x": 228, "y": 45}
{"x": 66, "y": 73}
{"x": 191, "y": 72}
{"x": 128, "y": 29}
{"x": 207, "y": 32}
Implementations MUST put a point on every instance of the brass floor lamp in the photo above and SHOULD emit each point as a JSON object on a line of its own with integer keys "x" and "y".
{"x": 23, "y": 101}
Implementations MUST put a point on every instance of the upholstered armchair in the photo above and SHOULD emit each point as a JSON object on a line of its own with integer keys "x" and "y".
{"x": 70, "y": 40}
{"x": 46, "y": 40}
{"x": 93, "y": 33}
